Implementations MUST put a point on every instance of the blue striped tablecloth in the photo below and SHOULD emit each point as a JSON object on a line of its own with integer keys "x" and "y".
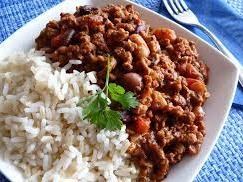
{"x": 225, "y": 162}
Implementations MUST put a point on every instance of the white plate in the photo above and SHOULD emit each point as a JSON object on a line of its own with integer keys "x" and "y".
{"x": 222, "y": 80}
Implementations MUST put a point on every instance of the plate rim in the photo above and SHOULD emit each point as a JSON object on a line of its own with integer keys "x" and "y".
{"x": 12, "y": 36}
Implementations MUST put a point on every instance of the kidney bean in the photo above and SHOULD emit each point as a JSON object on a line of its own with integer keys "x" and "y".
{"x": 87, "y": 9}
{"x": 132, "y": 81}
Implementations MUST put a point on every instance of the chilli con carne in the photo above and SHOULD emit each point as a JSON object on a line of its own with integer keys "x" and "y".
{"x": 164, "y": 71}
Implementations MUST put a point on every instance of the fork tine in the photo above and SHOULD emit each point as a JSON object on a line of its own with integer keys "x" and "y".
{"x": 167, "y": 6}
{"x": 178, "y": 5}
{"x": 173, "y": 7}
{"x": 183, "y": 4}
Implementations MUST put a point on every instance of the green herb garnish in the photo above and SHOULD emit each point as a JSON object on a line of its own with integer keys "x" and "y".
{"x": 126, "y": 99}
{"x": 97, "y": 110}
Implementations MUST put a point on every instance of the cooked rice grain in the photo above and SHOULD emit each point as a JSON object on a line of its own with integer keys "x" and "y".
{"x": 41, "y": 131}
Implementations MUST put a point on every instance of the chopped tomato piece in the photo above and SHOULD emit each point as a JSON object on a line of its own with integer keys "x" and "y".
{"x": 62, "y": 39}
{"x": 57, "y": 41}
{"x": 189, "y": 71}
{"x": 191, "y": 81}
{"x": 142, "y": 125}
{"x": 196, "y": 85}
{"x": 192, "y": 72}
{"x": 164, "y": 34}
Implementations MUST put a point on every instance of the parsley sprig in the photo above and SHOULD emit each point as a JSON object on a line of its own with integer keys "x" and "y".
{"x": 96, "y": 107}
{"x": 126, "y": 99}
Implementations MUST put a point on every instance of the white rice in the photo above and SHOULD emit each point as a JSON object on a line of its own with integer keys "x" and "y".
{"x": 72, "y": 61}
{"x": 40, "y": 128}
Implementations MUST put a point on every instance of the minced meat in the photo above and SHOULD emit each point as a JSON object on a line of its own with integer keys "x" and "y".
{"x": 164, "y": 70}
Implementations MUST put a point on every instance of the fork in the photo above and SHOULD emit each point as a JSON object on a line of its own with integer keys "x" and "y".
{"x": 180, "y": 12}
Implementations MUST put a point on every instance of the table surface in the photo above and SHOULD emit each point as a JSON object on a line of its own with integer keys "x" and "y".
{"x": 226, "y": 160}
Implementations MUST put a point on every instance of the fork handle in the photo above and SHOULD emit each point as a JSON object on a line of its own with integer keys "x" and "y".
{"x": 224, "y": 50}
